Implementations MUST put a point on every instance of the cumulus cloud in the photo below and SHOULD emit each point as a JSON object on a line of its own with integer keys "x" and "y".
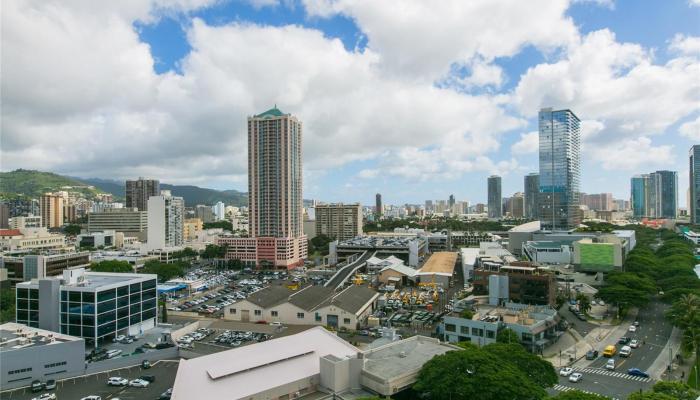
{"x": 688, "y": 45}
{"x": 528, "y": 143}
{"x": 691, "y": 129}
{"x": 633, "y": 154}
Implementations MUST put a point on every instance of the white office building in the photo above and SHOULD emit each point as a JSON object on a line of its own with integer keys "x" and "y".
{"x": 166, "y": 216}
{"x": 219, "y": 211}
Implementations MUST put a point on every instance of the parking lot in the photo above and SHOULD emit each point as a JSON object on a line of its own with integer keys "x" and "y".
{"x": 163, "y": 371}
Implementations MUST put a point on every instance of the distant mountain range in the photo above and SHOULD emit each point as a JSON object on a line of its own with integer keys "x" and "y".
{"x": 34, "y": 183}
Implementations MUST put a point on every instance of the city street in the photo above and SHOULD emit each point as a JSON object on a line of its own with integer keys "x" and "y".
{"x": 653, "y": 332}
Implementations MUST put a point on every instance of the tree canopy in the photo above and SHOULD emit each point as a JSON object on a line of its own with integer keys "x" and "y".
{"x": 72, "y": 230}
{"x": 537, "y": 369}
{"x": 667, "y": 391}
{"x": 164, "y": 271}
{"x": 112, "y": 266}
{"x": 507, "y": 336}
{"x": 225, "y": 225}
{"x": 475, "y": 373}
{"x": 578, "y": 395}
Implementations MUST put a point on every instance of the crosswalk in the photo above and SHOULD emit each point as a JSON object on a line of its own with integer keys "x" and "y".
{"x": 564, "y": 388}
{"x": 622, "y": 375}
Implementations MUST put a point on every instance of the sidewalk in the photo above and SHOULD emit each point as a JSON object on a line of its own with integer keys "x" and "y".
{"x": 659, "y": 368}
{"x": 574, "y": 346}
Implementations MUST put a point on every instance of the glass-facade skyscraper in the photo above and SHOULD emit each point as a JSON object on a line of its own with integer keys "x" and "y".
{"x": 495, "y": 197}
{"x": 638, "y": 198}
{"x": 532, "y": 189}
{"x": 694, "y": 173}
{"x": 560, "y": 169}
{"x": 655, "y": 195}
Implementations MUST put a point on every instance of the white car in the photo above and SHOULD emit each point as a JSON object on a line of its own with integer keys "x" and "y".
{"x": 634, "y": 343}
{"x": 119, "y": 338}
{"x": 575, "y": 377}
{"x": 601, "y": 303}
{"x": 594, "y": 303}
{"x": 46, "y": 396}
{"x": 632, "y": 328}
{"x": 610, "y": 364}
{"x": 117, "y": 381}
{"x": 566, "y": 371}
{"x": 138, "y": 383}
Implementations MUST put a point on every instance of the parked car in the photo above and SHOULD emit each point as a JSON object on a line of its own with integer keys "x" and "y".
{"x": 636, "y": 323}
{"x": 119, "y": 338}
{"x": 37, "y": 386}
{"x": 138, "y": 383}
{"x": 637, "y": 372}
{"x": 575, "y": 377}
{"x": 114, "y": 353}
{"x": 148, "y": 378}
{"x": 591, "y": 354}
{"x": 50, "y": 384}
{"x": 46, "y": 396}
{"x": 566, "y": 371}
{"x": 145, "y": 364}
{"x": 166, "y": 395}
{"x": 117, "y": 381}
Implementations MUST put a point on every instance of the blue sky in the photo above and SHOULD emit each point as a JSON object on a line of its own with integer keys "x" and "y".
{"x": 382, "y": 111}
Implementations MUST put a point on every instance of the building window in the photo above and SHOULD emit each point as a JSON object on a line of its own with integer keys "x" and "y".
{"x": 300, "y": 315}
{"x": 56, "y": 364}
{"x": 450, "y": 328}
{"x": 258, "y": 312}
{"x": 318, "y": 317}
{"x": 464, "y": 330}
{"x": 274, "y": 313}
{"x": 490, "y": 334}
{"x": 232, "y": 310}
{"x": 477, "y": 332}
{"x": 346, "y": 321}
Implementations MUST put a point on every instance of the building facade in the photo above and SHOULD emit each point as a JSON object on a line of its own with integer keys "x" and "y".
{"x": 655, "y": 195}
{"x": 532, "y": 189}
{"x": 21, "y": 268}
{"x": 139, "y": 191}
{"x": 378, "y": 205}
{"x": 166, "y": 216}
{"x": 191, "y": 227}
{"x": 598, "y": 201}
{"x": 339, "y": 221}
{"x": 694, "y": 188}
{"x": 516, "y": 208}
{"x": 96, "y": 306}
{"x": 29, "y": 221}
{"x": 51, "y": 210}
{"x": 560, "y": 169}
{"x": 129, "y": 221}
{"x": 495, "y": 198}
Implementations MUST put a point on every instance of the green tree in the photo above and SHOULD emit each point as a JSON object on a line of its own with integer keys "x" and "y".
{"x": 320, "y": 243}
{"x": 225, "y": 225}
{"x": 72, "y": 230}
{"x": 112, "y": 266}
{"x": 537, "y": 369}
{"x": 667, "y": 391}
{"x": 164, "y": 271}
{"x": 466, "y": 314}
{"x": 507, "y": 336}
{"x": 584, "y": 303}
{"x": 164, "y": 311}
{"x": 213, "y": 251}
{"x": 7, "y": 305}
{"x": 474, "y": 373}
{"x": 578, "y": 395}
{"x": 685, "y": 314}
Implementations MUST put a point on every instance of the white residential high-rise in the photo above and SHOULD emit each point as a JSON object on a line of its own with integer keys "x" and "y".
{"x": 219, "y": 210}
{"x": 166, "y": 216}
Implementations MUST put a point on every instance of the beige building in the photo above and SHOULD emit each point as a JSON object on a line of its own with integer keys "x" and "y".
{"x": 191, "y": 227}
{"x": 31, "y": 221}
{"x": 51, "y": 207}
{"x": 26, "y": 239}
{"x": 313, "y": 305}
{"x": 339, "y": 221}
{"x": 130, "y": 221}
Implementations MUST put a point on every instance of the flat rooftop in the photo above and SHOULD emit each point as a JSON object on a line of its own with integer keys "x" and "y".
{"x": 441, "y": 263}
{"x": 96, "y": 280}
{"x": 403, "y": 357}
{"x": 15, "y": 336}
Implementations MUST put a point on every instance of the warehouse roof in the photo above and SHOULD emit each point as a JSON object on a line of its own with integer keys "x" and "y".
{"x": 440, "y": 263}
{"x": 352, "y": 299}
{"x": 270, "y": 296}
{"x": 255, "y": 370}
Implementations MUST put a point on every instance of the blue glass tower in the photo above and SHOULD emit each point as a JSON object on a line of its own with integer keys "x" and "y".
{"x": 560, "y": 169}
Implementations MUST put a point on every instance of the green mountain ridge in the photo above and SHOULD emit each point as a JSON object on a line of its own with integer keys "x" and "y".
{"x": 34, "y": 183}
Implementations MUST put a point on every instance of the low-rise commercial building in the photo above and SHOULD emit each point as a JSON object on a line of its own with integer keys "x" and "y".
{"x": 30, "y": 239}
{"x": 438, "y": 269}
{"x": 313, "y": 305}
{"x": 547, "y": 252}
{"x": 535, "y": 326}
{"x": 30, "y": 353}
{"x": 130, "y": 221}
{"x": 265, "y": 252}
{"x": 96, "y": 306}
{"x": 21, "y": 222}
{"x": 409, "y": 248}
{"x": 104, "y": 239}
{"x": 23, "y": 267}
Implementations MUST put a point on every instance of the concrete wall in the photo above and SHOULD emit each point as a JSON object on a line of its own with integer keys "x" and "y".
{"x": 335, "y": 374}
{"x": 49, "y": 304}
{"x": 37, "y": 358}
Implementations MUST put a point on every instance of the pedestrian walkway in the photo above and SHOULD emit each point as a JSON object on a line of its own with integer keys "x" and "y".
{"x": 564, "y": 388}
{"x": 601, "y": 371}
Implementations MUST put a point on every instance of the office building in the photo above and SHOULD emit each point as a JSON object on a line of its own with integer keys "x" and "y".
{"x": 655, "y": 195}
{"x": 139, "y": 191}
{"x": 204, "y": 213}
{"x": 96, "y": 306}
{"x": 191, "y": 227}
{"x": 378, "y": 210}
{"x": 560, "y": 169}
{"x": 30, "y": 239}
{"x": 69, "y": 213}
{"x": 30, "y": 221}
{"x": 23, "y": 267}
{"x": 166, "y": 216}
{"x": 597, "y": 202}
{"x": 30, "y": 354}
{"x": 100, "y": 240}
{"x": 51, "y": 206}
{"x": 516, "y": 207}
{"x": 494, "y": 196}
{"x": 532, "y": 189}
{"x": 274, "y": 194}
{"x": 4, "y": 216}
{"x": 694, "y": 187}
{"x": 219, "y": 210}
{"x": 339, "y": 221}
{"x": 451, "y": 201}
{"x": 130, "y": 221}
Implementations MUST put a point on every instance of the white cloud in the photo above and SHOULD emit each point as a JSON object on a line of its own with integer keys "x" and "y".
{"x": 528, "y": 143}
{"x": 633, "y": 154}
{"x": 691, "y": 129}
{"x": 688, "y": 45}
{"x": 694, "y": 3}
{"x": 617, "y": 90}
{"x": 369, "y": 173}
{"x": 424, "y": 40}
